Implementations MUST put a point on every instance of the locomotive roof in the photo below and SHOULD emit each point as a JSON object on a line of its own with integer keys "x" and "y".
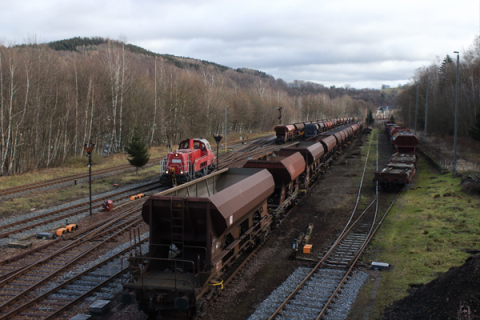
{"x": 197, "y": 139}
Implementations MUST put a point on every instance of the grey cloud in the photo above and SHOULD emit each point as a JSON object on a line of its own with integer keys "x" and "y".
{"x": 362, "y": 42}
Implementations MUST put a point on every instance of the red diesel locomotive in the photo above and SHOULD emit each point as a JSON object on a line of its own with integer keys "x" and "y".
{"x": 193, "y": 159}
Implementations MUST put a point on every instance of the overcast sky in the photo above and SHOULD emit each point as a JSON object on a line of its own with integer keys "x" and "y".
{"x": 333, "y": 42}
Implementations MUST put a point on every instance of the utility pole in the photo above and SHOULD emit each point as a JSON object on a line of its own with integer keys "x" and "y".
{"x": 409, "y": 113}
{"x": 426, "y": 106}
{"x": 226, "y": 128}
{"x": 454, "y": 169}
{"x": 416, "y": 108}
{"x": 88, "y": 150}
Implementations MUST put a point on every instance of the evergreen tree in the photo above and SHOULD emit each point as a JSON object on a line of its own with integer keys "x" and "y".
{"x": 370, "y": 118}
{"x": 475, "y": 130}
{"x": 137, "y": 151}
{"x": 392, "y": 118}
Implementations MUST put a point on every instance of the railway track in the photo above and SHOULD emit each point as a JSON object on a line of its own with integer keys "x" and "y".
{"x": 8, "y": 192}
{"x": 43, "y": 282}
{"x": 31, "y": 225}
{"x": 309, "y": 292}
{"x": 254, "y": 150}
{"x": 55, "y": 299}
{"x": 70, "y": 178}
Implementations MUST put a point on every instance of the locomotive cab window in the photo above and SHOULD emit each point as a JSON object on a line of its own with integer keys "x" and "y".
{"x": 196, "y": 145}
{"x": 184, "y": 145}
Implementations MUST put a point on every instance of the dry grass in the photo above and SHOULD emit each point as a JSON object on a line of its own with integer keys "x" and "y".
{"x": 73, "y": 166}
{"x": 51, "y": 197}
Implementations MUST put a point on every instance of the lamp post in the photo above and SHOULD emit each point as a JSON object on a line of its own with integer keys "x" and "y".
{"x": 88, "y": 150}
{"x": 226, "y": 128}
{"x": 454, "y": 164}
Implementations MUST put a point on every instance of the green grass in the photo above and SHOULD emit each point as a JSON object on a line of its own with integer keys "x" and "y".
{"x": 424, "y": 234}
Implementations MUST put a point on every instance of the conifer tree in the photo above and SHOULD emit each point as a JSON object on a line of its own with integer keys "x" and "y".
{"x": 475, "y": 130}
{"x": 137, "y": 151}
{"x": 370, "y": 118}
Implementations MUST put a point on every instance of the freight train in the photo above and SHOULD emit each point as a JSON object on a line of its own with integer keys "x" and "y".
{"x": 201, "y": 228}
{"x": 303, "y": 130}
{"x": 194, "y": 158}
{"x": 402, "y": 166}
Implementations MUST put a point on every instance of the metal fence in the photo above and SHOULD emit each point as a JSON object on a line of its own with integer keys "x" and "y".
{"x": 444, "y": 164}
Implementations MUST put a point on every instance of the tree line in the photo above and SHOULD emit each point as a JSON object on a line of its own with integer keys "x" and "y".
{"x": 54, "y": 99}
{"x": 433, "y": 89}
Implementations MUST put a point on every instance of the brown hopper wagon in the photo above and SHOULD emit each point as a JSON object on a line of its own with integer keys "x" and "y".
{"x": 196, "y": 231}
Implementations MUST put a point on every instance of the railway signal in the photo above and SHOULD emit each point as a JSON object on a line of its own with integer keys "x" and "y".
{"x": 280, "y": 114}
{"x": 217, "y": 138}
{"x": 88, "y": 150}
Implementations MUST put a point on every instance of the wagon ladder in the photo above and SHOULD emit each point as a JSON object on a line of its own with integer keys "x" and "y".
{"x": 177, "y": 228}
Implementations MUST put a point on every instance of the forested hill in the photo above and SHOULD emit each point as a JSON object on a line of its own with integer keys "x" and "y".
{"x": 57, "y": 96}
{"x": 376, "y": 97}
{"x": 80, "y": 44}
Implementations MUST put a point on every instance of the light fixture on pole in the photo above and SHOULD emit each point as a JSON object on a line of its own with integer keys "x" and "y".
{"x": 454, "y": 164}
